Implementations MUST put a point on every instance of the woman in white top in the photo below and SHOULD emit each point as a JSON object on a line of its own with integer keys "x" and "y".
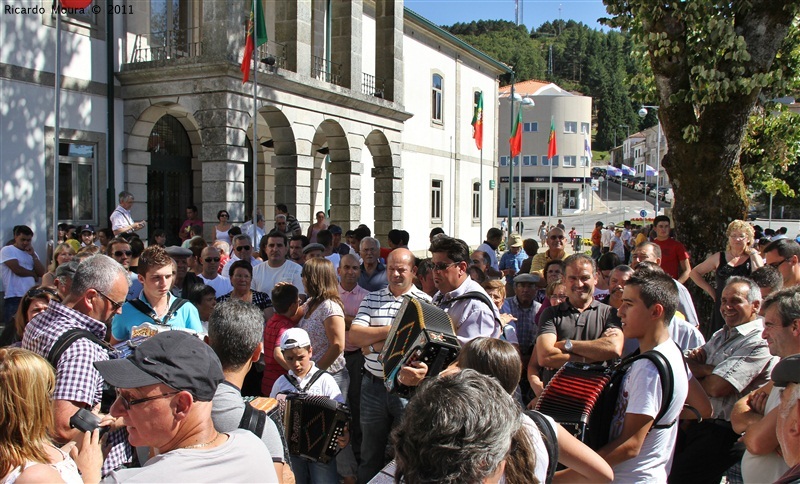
{"x": 222, "y": 228}
{"x": 26, "y": 421}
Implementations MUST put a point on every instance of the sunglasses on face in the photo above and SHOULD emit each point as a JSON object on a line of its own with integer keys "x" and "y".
{"x": 243, "y": 247}
{"x": 212, "y": 259}
{"x": 40, "y": 291}
{"x": 443, "y": 266}
{"x": 120, "y": 253}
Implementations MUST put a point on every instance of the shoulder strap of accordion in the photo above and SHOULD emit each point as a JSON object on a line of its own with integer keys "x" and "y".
{"x": 253, "y": 420}
{"x": 313, "y": 380}
{"x": 550, "y": 438}
{"x": 480, "y": 297}
{"x": 667, "y": 384}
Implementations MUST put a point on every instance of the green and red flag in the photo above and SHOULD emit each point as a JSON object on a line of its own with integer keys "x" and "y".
{"x": 516, "y": 135}
{"x": 256, "y": 36}
{"x": 551, "y": 143}
{"x": 477, "y": 121}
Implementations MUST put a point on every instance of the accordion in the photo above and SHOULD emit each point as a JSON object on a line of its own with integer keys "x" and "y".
{"x": 572, "y": 394}
{"x": 313, "y": 424}
{"x": 419, "y": 332}
{"x": 125, "y": 348}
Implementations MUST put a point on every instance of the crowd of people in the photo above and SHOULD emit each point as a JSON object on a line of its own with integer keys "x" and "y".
{"x": 269, "y": 311}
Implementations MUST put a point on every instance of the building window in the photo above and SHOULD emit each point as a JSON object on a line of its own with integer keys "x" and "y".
{"x": 436, "y": 200}
{"x": 530, "y": 127}
{"x": 529, "y": 160}
{"x": 569, "y": 161}
{"x": 76, "y": 182}
{"x": 584, "y": 128}
{"x": 545, "y": 161}
{"x": 570, "y": 126}
{"x": 503, "y": 161}
{"x": 436, "y": 99}
{"x": 555, "y": 160}
{"x": 516, "y": 161}
{"x": 584, "y": 161}
{"x": 476, "y": 201}
{"x": 569, "y": 199}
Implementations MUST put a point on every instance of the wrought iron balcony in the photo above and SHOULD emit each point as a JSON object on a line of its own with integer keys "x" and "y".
{"x": 166, "y": 45}
{"x": 373, "y": 86}
{"x": 325, "y": 70}
{"x": 272, "y": 55}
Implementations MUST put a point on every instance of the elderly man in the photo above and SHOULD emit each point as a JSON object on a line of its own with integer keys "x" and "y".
{"x": 580, "y": 328}
{"x": 787, "y": 375}
{"x": 182, "y": 280}
{"x": 524, "y": 308}
{"x": 379, "y": 409}
{"x": 650, "y": 252}
{"x": 20, "y": 267}
{"x": 464, "y": 300}
{"x": 209, "y": 260}
{"x": 312, "y": 251}
{"x": 555, "y": 251}
{"x": 121, "y": 220}
{"x": 242, "y": 250}
{"x": 755, "y": 415}
{"x": 292, "y": 225}
{"x": 734, "y": 362}
{"x": 164, "y": 393}
{"x": 784, "y": 255}
{"x": 235, "y": 333}
{"x": 373, "y": 273}
{"x": 512, "y": 260}
{"x": 98, "y": 292}
{"x": 275, "y": 267}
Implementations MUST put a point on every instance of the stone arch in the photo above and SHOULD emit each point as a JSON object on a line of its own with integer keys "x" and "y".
{"x": 336, "y": 173}
{"x": 388, "y": 184}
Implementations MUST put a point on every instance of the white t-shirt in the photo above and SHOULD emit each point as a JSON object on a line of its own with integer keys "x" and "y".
{"x": 15, "y": 286}
{"x": 221, "y": 284}
{"x": 768, "y": 467}
{"x": 539, "y": 447}
{"x": 334, "y": 258}
{"x": 324, "y": 386}
{"x": 265, "y": 277}
{"x": 641, "y": 394}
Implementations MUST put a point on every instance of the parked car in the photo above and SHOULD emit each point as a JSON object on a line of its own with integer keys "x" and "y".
{"x": 662, "y": 191}
{"x": 669, "y": 196}
{"x": 639, "y": 187}
{"x": 649, "y": 187}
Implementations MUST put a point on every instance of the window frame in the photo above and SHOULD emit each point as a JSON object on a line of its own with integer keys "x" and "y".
{"x": 570, "y": 161}
{"x": 571, "y": 124}
{"x": 437, "y": 99}
{"x": 436, "y": 198}
{"x": 476, "y": 201}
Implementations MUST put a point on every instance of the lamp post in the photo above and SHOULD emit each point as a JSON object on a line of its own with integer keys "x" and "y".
{"x": 643, "y": 113}
{"x": 514, "y": 97}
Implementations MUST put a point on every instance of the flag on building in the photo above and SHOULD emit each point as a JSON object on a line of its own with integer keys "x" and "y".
{"x": 256, "y": 36}
{"x": 588, "y": 149}
{"x": 477, "y": 121}
{"x": 551, "y": 143}
{"x": 516, "y": 135}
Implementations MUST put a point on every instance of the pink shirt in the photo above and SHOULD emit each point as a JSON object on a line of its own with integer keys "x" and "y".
{"x": 352, "y": 301}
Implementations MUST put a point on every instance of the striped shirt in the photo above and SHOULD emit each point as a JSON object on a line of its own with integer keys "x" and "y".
{"x": 378, "y": 309}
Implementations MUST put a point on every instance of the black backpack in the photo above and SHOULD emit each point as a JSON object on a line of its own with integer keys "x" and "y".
{"x": 550, "y": 438}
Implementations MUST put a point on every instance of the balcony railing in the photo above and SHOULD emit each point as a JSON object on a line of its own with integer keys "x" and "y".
{"x": 372, "y": 86}
{"x": 325, "y": 70}
{"x": 271, "y": 56}
{"x": 167, "y": 45}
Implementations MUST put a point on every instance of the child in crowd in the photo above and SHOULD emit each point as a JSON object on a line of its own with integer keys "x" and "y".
{"x": 285, "y": 303}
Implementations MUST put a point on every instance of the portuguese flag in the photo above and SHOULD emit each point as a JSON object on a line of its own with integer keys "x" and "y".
{"x": 477, "y": 121}
{"x": 551, "y": 143}
{"x": 256, "y": 36}
{"x": 516, "y": 135}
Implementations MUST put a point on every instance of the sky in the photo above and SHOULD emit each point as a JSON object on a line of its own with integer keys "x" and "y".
{"x": 535, "y": 12}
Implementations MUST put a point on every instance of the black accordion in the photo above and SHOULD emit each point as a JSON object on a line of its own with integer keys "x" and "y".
{"x": 419, "y": 332}
{"x": 313, "y": 424}
{"x": 571, "y": 395}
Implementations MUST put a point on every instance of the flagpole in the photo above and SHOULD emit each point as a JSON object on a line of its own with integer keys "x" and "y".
{"x": 57, "y": 124}
{"x": 254, "y": 220}
{"x": 480, "y": 204}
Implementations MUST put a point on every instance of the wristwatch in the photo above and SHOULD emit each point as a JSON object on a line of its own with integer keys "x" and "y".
{"x": 568, "y": 346}
{"x": 372, "y": 349}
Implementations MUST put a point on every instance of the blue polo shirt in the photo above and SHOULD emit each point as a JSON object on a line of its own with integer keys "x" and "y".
{"x": 186, "y": 317}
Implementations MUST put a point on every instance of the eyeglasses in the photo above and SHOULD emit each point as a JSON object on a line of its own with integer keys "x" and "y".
{"x": 775, "y": 265}
{"x": 557, "y": 237}
{"x": 120, "y": 253}
{"x": 443, "y": 266}
{"x": 127, "y": 404}
{"x": 224, "y": 215}
{"x": 243, "y": 247}
{"x": 212, "y": 259}
{"x": 117, "y": 305}
{"x": 558, "y": 297}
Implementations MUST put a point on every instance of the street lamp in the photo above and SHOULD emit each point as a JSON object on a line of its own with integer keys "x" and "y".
{"x": 642, "y": 114}
{"x": 526, "y": 101}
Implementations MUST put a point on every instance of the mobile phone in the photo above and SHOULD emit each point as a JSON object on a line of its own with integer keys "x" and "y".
{"x": 85, "y": 421}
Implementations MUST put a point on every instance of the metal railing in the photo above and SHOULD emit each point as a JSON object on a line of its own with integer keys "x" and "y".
{"x": 325, "y": 70}
{"x": 373, "y": 86}
{"x": 271, "y": 56}
{"x": 166, "y": 45}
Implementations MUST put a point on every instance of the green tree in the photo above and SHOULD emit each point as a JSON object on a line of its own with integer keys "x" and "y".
{"x": 710, "y": 60}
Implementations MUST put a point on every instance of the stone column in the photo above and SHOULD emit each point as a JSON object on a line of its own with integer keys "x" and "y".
{"x": 388, "y": 199}
{"x": 346, "y": 41}
{"x": 389, "y": 47}
{"x": 293, "y": 29}
{"x": 293, "y": 184}
{"x": 346, "y": 193}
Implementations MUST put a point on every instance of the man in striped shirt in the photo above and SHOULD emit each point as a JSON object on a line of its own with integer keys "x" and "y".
{"x": 379, "y": 409}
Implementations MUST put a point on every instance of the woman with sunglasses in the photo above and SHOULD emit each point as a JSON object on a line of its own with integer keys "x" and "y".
{"x": 222, "y": 227}
{"x": 62, "y": 254}
{"x": 33, "y": 302}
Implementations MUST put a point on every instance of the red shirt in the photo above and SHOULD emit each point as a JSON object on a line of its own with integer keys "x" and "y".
{"x": 596, "y": 237}
{"x": 273, "y": 331}
{"x": 672, "y": 253}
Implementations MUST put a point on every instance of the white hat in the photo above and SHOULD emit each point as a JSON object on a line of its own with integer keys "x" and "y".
{"x": 294, "y": 338}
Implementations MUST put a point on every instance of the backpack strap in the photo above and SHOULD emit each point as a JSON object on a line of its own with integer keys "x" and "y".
{"x": 550, "y": 437}
{"x": 65, "y": 341}
{"x": 148, "y": 311}
{"x": 253, "y": 420}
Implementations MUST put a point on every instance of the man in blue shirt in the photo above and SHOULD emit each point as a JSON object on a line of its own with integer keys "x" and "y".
{"x": 512, "y": 260}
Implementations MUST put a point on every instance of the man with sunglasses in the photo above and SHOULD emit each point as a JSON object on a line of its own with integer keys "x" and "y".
{"x": 242, "y": 250}
{"x": 120, "y": 250}
{"x": 155, "y": 304}
{"x": 784, "y": 255}
{"x": 164, "y": 396}
{"x": 97, "y": 293}
{"x": 209, "y": 260}
{"x": 555, "y": 251}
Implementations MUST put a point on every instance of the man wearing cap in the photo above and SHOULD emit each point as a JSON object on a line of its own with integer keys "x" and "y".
{"x": 164, "y": 393}
{"x": 338, "y": 246}
{"x": 97, "y": 293}
{"x": 242, "y": 250}
{"x": 209, "y": 260}
{"x": 755, "y": 415}
{"x": 787, "y": 376}
{"x": 87, "y": 236}
{"x": 313, "y": 250}
{"x": 511, "y": 261}
{"x": 555, "y": 251}
{"x": 121, "y": 220}
{"x": 182, "y": 279}
{"x": 524, "y": 308}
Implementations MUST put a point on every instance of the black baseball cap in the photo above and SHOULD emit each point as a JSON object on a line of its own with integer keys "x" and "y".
{"x": 786, "y": 371}
{"x": 175, "y": 358}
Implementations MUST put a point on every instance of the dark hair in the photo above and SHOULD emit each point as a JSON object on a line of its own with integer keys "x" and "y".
{"x": 785, "y": 247}
{"x": 193, "y": 208}
{"x": 197, "y": 246}
{"x": 283, "y": 297}
{"x": 492, "y": 357}
{"x": 580, "y": 259}
{"x": 657, "y": 288}
{"x": 786, "y": 302}
{"x": 365, "y": 229}
{"x": 22, "y": 230}
{"x": 274, "y": 234}
{"x": 456, "y": 249}
{"x": 424, "y": 267}
{"x": 361, "y": 233}
{"x": 153, "y": 257}
{"x": 240, "y": 264}
{"x": 156, "y": 233}
{"x": 113, "y": 242}
{"x": 110, "y": 233}
{"x": 549, "y": 263}
{"x": 234, "y": 231}
{"x": 325, "y": 237}
{"x": 767, "y": 277}
{"x": 436, "y": 231}
{"x": 494, "y": 233}
{"x": 281, "y": 207}
{"x": 608, "y": 261}
{"x": 530, "y": 246}
{"x": 137, "y": 246}
{"x": 302, "y": 238}
{"x": 219, "y": 214}
{"x": 197, "y": 230}
{"x": 480, "y": 275}
{"x": 661, "y": 218}
{"x": 646, "y": 268}
{"x": 198, "y": 291}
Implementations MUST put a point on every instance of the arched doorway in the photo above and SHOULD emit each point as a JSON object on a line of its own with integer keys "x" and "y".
{"x": 169, "y": 186}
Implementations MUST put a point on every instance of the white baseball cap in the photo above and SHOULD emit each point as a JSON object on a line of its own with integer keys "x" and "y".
{"x": 294, "y": 338}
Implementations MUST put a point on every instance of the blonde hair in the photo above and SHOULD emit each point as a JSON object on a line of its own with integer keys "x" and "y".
{"x": 495, "y": 285}
{"x": 551, "y": 288}
{"x": 741, "y": 226}
{"x": 320, "y": 282}
{"x": 56, "y": 252}
{"x": 26, "y": 410}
